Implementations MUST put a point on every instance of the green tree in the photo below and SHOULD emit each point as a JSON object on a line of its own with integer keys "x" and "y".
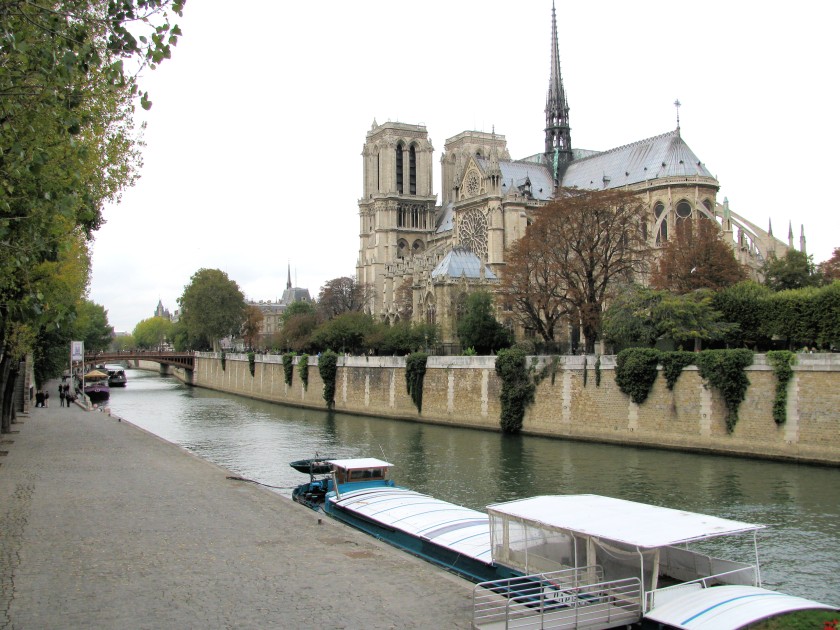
{"x": 296, "y": 309}
{"x": 830, "y": 269}
{"x": 689, "y": 317}
{"x": 795, "y": 270}
{"x": 152, "y": 332}
{"x": 747, "y": 305}
{"x": 345, "y": 333}
{"x": 212, "y": 307}
{"x": 478, "y": 327}
{"x": 68, "y": 80}
{"x": 628, "y": 320}
{"x": 91, "y": 326}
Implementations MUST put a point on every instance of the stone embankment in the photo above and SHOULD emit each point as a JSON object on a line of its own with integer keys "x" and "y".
{"x": 571, "y": 402}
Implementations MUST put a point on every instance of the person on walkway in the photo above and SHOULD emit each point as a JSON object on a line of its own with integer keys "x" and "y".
{"x": 61, "y": 394}
{"x": 39, "y": 398}
{"x": 46, "y": 399}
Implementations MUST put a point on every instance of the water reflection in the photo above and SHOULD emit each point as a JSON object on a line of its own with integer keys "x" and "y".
{"x": 800, "y": 504}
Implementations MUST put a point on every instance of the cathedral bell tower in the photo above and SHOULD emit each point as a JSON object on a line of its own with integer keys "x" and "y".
{"x": 558, "y": 137}
{"x": 397, "y": 209}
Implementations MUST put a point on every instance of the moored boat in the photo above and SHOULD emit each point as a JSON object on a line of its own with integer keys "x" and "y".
{"x": 96, "y": 386}
{"x": 567, "y": 560}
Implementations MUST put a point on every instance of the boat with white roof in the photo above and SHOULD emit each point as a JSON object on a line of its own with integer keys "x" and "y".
{"x": 564, "y": 561}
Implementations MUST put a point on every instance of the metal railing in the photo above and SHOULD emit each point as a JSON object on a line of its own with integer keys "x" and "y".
{"x": 573, "y": 598}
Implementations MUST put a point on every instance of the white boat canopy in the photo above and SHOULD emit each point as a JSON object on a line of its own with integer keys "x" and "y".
{"x": 637, "y": 524}
{"x": 360, "y": 462}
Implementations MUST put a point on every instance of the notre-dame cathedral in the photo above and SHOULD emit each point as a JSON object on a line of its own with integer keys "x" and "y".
{"x": 421, "y": 259}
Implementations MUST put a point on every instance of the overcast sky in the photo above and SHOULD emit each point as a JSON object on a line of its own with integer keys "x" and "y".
{"x": 253, "y": 156}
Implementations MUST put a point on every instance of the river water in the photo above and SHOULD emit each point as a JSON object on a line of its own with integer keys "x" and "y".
{"x": 799, "y": 551}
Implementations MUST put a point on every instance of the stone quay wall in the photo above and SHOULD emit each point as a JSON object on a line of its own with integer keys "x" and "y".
{"x": 465, "y": 392}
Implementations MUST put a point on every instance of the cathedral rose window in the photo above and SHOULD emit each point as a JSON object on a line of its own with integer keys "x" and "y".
{"x": 473, "y": 232}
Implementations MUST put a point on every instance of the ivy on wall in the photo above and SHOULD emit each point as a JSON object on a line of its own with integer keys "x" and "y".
{"x": 598, "y": 371}
{"x": 517, "y": 388}
{"x": 673, "y": 363}
{"x": 415, "y": 373}
{"x": 303, "y": 370}
{"x": 635, "y": 372}
{"x": 252, "y": 362}
{"x": 781, "y": 362}
{"x": 327, "y": 368}
{"x": 724, "y": 370}
{"x": 223, "y": 360}
{"x": 288, "y": 367}
{"x": 585, "y": 371}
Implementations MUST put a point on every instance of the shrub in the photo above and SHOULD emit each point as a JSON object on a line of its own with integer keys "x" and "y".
{"x": 327, "y": 368}
{"x": 223, "y": 360}
{"x": 781, "y": 362}
{"x": 288, "y": 367}
{"x": 598, "y": 371}
{"x": 303, "y": 369}
{"x": 724, "y": 370}
{"x": 673, "y": 364}
{"x": 635, "y": 372}
{"x": 252, "y": 362}
{"x": 415, "y": 372}
{"x": 517, "y": 388}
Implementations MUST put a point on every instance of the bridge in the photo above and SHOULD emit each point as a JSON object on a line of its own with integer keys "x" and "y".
{"x": 178, "y": 359}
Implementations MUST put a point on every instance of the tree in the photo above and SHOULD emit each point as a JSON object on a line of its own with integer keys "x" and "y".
{"x": 212, "y": 307}
{"x": 91, "y": 326}
{"x": 341, "y": 295}
{"x": 68, "y": 81}
{"x": 152, "y": 332}
{"x": 628, "y": 320}
{"x": 296, "y": 333}
{"x": 688, "y": 317}
{"x": 696, "y": 258}
{"x": 795, "y": 270}
{"x": 567, "y": 262}
{"x": 296, "y": 309}
{"x": 478, "y": 327}
{"x": 251, "y": 326}
{"x": 747, "y": 305}
{"x": 830, "y": 269}
{"x": 345, "y": 333}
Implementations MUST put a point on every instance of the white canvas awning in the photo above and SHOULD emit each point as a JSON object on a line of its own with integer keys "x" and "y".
{"x": 629, "y": 522}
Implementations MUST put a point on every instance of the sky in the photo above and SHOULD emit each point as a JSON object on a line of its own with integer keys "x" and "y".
{"x": 252, "y": 157}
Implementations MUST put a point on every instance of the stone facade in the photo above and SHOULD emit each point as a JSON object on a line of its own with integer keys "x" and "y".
{"x": 465, "y": 391}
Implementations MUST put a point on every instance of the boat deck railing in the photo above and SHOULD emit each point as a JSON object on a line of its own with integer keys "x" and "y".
{"x": 559, "y": 599}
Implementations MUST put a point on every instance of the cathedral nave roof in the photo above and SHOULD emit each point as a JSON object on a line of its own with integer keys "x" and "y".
{"x": 666, "y": 155}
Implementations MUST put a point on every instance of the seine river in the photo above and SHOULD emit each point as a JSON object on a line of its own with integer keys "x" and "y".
{"x": 799, "y": 551}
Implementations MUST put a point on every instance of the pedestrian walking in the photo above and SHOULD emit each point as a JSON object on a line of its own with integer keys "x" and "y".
{"x": 61, "y": 394}
{"x": 46, "y": 399}
{"x": 39, "y": 398}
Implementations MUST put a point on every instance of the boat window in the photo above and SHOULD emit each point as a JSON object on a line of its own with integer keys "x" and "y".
{"x": 367, "y": 473}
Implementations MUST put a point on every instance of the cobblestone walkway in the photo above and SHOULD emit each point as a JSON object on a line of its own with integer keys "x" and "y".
{"x": 103, "y": 525}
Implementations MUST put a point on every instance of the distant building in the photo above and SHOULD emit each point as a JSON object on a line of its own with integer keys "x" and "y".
{"x": 162, "y": 312}
{"x": 272, "y": 312}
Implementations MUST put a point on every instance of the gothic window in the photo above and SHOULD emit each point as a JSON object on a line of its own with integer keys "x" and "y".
{"x": 402, "y": 249}
{"x": 473, "y": 232}
{"x": 399, "y": 167}
{"x": 662, "y": 234}
{"x": 683, "y": 210}
{"x": 412, "y": 171}
{"x": 417, "y": 247}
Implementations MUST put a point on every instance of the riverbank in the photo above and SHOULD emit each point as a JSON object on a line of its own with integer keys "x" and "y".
{"x": 107, "y": 526}
{"x": 577, "y": 399}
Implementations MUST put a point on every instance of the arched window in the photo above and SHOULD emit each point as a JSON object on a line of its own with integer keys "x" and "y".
{"x": 683, "y": 210}
{"x": 402, "y": 248}
{"x": 662, "y": 235}
{"x": 412, "y": 171}
{"x": 399, "y": 167}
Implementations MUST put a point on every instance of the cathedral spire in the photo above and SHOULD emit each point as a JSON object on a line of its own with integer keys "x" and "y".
{"x": 289, "y": 280}
{"x": 558, "y": 139}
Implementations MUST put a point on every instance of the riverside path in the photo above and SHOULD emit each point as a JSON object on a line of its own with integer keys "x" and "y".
{"x": 103, "y": 525}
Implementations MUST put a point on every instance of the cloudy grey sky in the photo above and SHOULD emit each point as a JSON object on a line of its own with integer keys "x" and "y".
{"x": 253, "y": 156}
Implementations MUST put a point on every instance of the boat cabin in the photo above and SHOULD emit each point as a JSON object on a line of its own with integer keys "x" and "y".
{"x": 604, "y": 541}
{"x": 359, "y": 470}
